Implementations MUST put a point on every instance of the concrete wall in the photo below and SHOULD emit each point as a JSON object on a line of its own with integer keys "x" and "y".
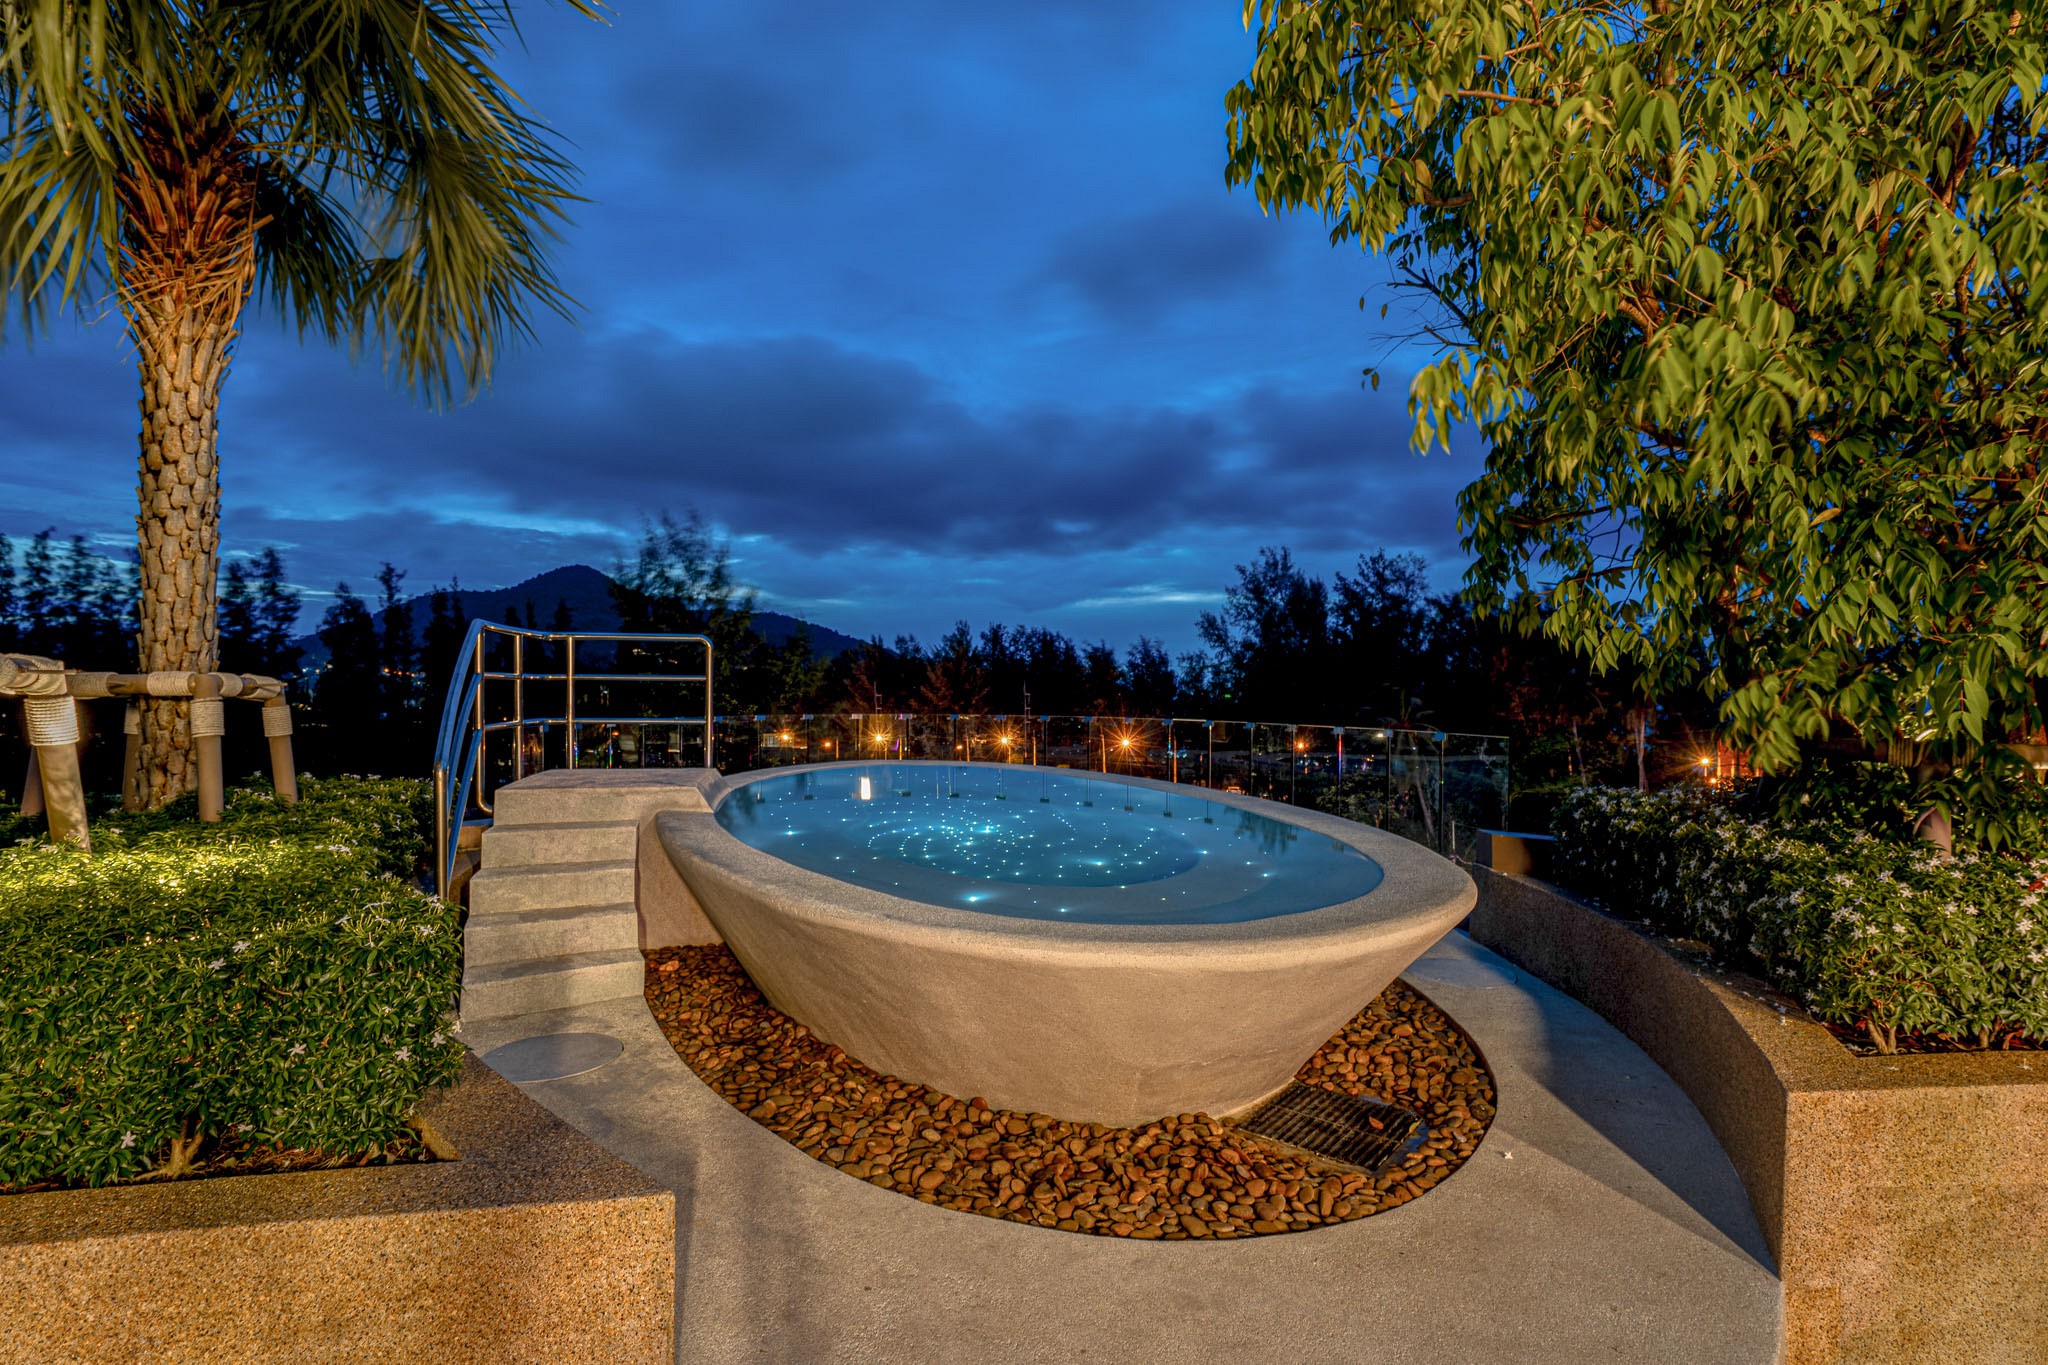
{"x": 536, "y": 1245}
{"x": 1905, "y": 1198}
{"x": 669, "y": 914}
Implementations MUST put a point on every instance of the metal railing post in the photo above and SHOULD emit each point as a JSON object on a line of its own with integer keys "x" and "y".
{"x": 441, "y": 831}
{"x": 569, "y": 699}
{"x": 519, "y": 707}
{"x": 476, "y": 680}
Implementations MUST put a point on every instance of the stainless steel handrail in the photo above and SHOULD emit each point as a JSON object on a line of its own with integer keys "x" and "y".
{"x": 460, "y": 749}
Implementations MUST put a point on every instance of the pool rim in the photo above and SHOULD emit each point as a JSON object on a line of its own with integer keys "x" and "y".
{"x": 1414, "y": 879}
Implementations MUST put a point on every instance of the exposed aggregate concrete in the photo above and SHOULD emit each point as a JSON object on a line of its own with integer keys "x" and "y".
{"x": 1181, "y": 1176}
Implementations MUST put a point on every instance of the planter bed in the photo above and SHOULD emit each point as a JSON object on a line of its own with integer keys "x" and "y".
{"x": 535, "y": 1245}
{"x": 1905, "y": 1197}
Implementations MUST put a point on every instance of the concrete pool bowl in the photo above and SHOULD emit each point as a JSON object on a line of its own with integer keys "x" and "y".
{"x": 1114, "y": 1023}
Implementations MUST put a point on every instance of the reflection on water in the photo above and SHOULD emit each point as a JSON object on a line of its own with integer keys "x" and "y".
{"x": 1043, "y": 845}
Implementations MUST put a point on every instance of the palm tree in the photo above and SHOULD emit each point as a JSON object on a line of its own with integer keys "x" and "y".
{"x": 355, "y": 162}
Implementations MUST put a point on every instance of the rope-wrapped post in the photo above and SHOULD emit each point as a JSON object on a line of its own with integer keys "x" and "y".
{"x": 277, "y": 728}
{"x": 53, "y": 734}
{"x": 32, "y": 777}
{"x": 209, "y": 723}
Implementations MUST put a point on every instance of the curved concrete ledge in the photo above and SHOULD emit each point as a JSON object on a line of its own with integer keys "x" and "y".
{"x": 1110, "y": 1023}
{"x": 1905, "y": 1198}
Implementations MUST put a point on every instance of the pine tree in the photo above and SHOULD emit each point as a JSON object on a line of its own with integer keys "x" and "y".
{"x": 9, "y": 625}
{"x": 347, "y": 693}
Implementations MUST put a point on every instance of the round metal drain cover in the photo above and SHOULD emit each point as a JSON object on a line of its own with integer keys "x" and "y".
{"x": 553, "y": 1056}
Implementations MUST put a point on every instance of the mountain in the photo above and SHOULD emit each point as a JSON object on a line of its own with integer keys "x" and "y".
{"x": 587, "y": 593}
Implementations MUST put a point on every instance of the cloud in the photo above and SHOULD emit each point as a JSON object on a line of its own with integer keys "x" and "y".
{"x": 1137, "y": 269}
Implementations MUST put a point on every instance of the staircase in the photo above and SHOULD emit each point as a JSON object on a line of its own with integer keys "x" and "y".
{"x": 553, "y": 921}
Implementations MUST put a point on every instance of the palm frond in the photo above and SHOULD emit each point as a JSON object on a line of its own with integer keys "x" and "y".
{"x": 406, "y": 195}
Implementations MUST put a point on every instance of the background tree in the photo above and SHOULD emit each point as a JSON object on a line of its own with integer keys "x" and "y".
{"x": 441, "y": 639}
{"x": 365, "y": 170}
{"x": 1272, "y": 638}
{"x": 1740, "y": 297}
{"x": 955, "y": 676}
{"x": 259, "y": 613}
{"x": 680, "y": 580}
{"x": 401, "y": 692}
{"x": 1148, "y": 681}
{"x": 348, "y": 693}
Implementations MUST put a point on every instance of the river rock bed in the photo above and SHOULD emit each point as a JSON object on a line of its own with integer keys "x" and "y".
{"x": 1186, "y": 1175}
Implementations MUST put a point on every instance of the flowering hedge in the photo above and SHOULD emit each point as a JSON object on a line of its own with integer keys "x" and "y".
{"x": 1884, "y": 936}
{"x": 274, "y": 976}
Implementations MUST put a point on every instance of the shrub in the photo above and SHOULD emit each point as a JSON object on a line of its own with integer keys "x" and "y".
{"x": 272, "y": 976}
{"x": 1884, "y": 936}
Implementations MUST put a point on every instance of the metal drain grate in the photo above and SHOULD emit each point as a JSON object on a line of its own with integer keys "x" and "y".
{"x": 1347, "y": 1129}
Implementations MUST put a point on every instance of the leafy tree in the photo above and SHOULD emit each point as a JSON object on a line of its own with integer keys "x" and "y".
{"x": 1053, "y": 672}
{"x": 788, "y": 677}
{"x": 1148, "y": 678}
{"x": 680, "y": 581}
{"x": 39, "y": 600}
{"x": 1103, "y": 681}
{"x": 361, "y": 167}
{"x": 1382, "y": 642}
{"x": 955, "y": 679}
{"x": 1005, "y": 665}
{"x": 1740, "y": 297}
{"x": 867, "y": 673}
{"x": 1272, "y": 639}
{"x": 259, "y": 611}
{"x": 441, "y": 638}
{"x": 8, "y": 593}
{"x": 400, "y": 694}
{"x": 348, "y": 693}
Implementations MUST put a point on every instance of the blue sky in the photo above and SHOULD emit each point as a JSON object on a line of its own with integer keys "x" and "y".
{"x": 937, "y": 312}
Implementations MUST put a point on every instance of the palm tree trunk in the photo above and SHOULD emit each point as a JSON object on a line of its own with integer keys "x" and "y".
{"x": 188, "y": 243}
{"x": 183, "y": 361}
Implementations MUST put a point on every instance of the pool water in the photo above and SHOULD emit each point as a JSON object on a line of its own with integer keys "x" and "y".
{"x": 1040, "y": 844}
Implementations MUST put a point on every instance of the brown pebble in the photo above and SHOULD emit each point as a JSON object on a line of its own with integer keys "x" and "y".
{"x": 1185, "y": 1175}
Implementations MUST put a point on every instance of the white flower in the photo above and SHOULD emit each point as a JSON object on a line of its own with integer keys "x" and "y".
{"x": 2025, "y": 926}
{"x": 241, "y": 945}
{"x": 1899, "y": 929}
{"x": 403, "y": 1054}
{"x": 218, "y": 963}
{"x": 127, "y": 1139}
{"x": 298, "y": 1050}
{"x": 438, "y": 1039}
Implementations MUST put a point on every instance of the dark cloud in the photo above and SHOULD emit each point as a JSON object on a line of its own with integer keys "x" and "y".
{"x": 1134, "y": 270}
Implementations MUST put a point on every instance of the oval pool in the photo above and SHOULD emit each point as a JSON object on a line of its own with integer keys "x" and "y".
{"x": 1082, "y": 984}
{"x": 1044, "y": 844}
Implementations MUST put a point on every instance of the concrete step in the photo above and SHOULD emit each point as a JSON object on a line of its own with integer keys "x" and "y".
{"x": 494, "y": 990}
{"x": 567, "y": 841}
{"x": 550, "y": 886}
{"x": 577, "y": 796}
{"x": 517, "y": 935}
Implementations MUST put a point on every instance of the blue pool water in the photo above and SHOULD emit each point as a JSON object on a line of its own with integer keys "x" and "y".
{"x": 1037, "y": 844}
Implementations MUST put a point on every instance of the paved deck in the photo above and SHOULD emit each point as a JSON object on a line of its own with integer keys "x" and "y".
{"x": 1599, "y": 1221}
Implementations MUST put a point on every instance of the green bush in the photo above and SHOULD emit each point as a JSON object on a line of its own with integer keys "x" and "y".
{"x": 276, "y": 977}
{"x": 1885, "y": 936}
